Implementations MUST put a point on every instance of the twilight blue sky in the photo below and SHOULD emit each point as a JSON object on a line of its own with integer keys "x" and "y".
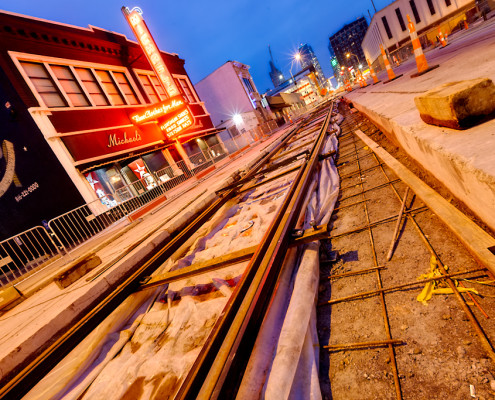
{"x": 209, "y": 33}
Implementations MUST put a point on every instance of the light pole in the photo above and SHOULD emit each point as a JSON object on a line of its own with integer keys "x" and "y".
{"x": 297, "y": 57}
{"x": 348, "y": 55}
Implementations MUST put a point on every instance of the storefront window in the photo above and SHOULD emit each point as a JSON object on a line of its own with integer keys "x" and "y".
{"x": 110, "y": 87}
{"x": 153, "y": 88}
{"x": 98, "y": 182}
{"x": 185, "y": 90}
{"x": 75, "y": 86}
{"x": 155, "y": 161}
{"x": 126, "y": 88}
{"x": 90, "y": 84}
{"x": 194, "y": 151}
{"x": 139, "y": 175}
{"x": 44, "y": 84}
{"x": 70, "y": 85}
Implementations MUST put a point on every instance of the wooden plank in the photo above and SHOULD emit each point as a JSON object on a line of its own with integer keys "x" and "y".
{"x": 476, "y": 240}
{"x": 311, "y": 235}
{"x": 200, "y": 268}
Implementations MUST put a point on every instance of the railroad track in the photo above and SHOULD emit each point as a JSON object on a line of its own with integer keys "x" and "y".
{"x": 379, "y": 341}
{"x": 209, "y": 289}
{"x": 279, "y": 183}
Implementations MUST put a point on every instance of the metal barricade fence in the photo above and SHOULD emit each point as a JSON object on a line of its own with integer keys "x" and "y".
{"x": 199, "y": 159}
{"x": 217, "y": 152}
{"x": 78, "y": 225}
{"x": 241, "y": 141}
{"x": 25, "y": 252}
{"x": 173, "y": 175}
{"x": 230, "y": 145}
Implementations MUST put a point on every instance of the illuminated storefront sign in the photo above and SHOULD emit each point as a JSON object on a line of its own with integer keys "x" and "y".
{"x": 173, "y": 116}
{"x": 158, "y": 110}
{"x": 177, "y": 124}
{"x": 143, "y": 35}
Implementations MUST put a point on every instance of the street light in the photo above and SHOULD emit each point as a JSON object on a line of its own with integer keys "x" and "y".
{"x": 296, "y": 57}
{"x": 348, "y": 55}
{"x": 359, "y": 66}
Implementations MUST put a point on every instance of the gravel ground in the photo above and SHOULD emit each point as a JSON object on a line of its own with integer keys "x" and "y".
{"x": 441, "y": 356}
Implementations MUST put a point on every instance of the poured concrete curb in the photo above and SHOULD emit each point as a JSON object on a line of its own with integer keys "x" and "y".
{"x": 472, "y": 185}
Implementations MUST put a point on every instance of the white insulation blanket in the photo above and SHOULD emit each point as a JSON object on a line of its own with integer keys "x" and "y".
{"x": 284, "y": 363}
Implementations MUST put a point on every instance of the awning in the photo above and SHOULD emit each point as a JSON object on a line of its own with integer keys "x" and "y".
{"x": 283, "y": 100}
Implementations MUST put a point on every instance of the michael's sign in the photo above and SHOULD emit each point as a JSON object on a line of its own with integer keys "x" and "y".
{"x": 97, "y": 144}
{"x": 120, "y": 139}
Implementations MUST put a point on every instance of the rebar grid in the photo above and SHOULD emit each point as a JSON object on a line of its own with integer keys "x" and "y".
{"x": 393, "y": 361}
{"x": 485, "y": 342}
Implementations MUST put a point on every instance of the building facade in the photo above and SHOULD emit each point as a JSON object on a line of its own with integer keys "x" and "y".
{"x": 388, "y": 26}
{"x": 232, "y": 99}
{"x": 308, "y": 57}
{"x": 348, "y": 41}
{"x": 304, "y": 84}
{"x": 68, "y": 94}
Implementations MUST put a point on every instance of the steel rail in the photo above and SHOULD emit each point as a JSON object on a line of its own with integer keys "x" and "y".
{"x": 16, "y": 386}
{"x": 18, "y": 383}
{"x": 22, "y": 380}
{"x": 221, "y": 363}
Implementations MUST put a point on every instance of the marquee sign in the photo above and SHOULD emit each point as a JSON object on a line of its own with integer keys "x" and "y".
{"x": 158, "y": 110}
{"x": 143, "y": 35}
{"x": 173, "y": 116}
{"x": 176, "y": 124}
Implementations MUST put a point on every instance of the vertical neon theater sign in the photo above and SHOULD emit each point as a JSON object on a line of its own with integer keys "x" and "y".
{"x": 135, "y": 19}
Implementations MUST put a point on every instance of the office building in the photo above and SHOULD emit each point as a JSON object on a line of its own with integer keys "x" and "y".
{"x": 308, "y": 57}
{"x": 348, "y": 41}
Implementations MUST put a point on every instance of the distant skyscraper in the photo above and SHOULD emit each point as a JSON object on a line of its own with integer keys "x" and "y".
{"x": 335, "y": 66}
{"x": 348, "y": 40}
{"x": 308, "y": 58}
{"x": 275, "y": 74}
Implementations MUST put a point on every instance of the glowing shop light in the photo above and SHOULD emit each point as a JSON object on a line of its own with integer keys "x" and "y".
{"x": 237, "y": 118}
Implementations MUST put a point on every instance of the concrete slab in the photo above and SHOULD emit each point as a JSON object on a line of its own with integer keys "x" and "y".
{"x": 457, "y": 105}
{"x": 463, "y": 161}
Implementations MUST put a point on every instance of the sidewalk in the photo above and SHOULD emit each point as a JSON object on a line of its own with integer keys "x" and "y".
{"x": 31, "y": 325}
{"x": 464, "y": 161}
